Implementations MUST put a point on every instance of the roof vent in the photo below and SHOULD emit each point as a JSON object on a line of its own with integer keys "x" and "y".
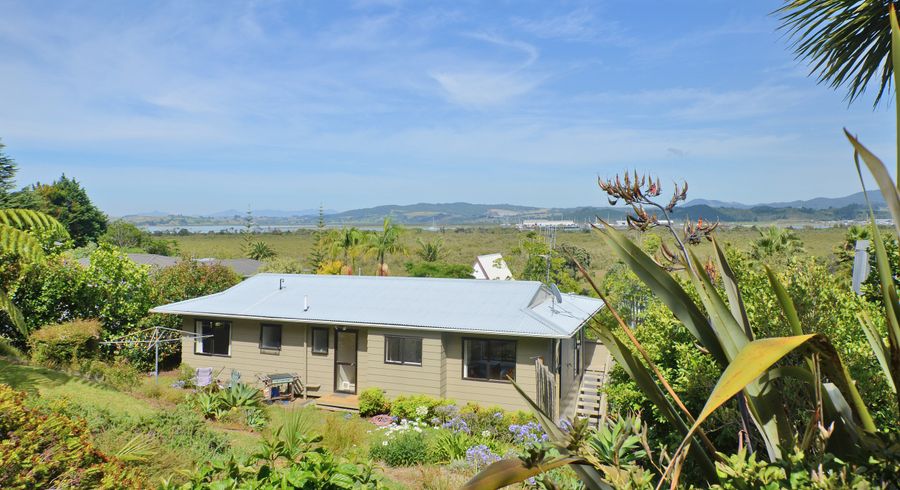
{"x": 281, "y": 284}
{"x": 305, "y": 303}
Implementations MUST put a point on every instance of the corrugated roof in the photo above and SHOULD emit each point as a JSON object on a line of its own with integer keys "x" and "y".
{"x": 522, "y": 308}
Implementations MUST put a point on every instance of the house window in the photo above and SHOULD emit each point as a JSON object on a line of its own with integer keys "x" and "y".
{"x": 489, "y": 359}
{"x": 319, "y": 340}
{"x": 403, "y": 350}
{"x": 216, "y": 337}
{"x": 270, "y": 337}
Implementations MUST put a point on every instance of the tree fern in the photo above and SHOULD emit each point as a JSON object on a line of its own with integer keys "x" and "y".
{"x": 20, "y": 243}
{"x": 16, "y": 238}
{"x": 26, "y": 219}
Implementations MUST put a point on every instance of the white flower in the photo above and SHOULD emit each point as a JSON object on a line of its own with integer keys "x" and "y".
{"x": 421, "y": 411}
{"x": 485, "y": 433}
{"x": 384, "y": 443}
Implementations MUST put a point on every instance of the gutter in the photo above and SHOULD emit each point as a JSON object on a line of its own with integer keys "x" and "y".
{"x": 313, "y": 321}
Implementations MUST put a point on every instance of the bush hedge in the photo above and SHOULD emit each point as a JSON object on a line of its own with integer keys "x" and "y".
{"x": 373, "y": 401}
{"x": 61, "y": 344}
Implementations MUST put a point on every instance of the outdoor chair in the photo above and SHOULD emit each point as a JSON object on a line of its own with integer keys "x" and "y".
{"x": 203, "y": 377}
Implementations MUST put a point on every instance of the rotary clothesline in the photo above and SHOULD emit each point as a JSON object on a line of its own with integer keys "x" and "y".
{"x": 155, "y": 339}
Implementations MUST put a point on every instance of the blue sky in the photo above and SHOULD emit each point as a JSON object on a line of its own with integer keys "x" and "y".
{"x": 196, "y": 107}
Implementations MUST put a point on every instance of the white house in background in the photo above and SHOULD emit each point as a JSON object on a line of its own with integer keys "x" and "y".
{"x": 531, "y": 224}
{"x": 491, "y": 267}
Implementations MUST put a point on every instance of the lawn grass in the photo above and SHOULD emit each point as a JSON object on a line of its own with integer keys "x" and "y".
{"x": 55, "y": 384}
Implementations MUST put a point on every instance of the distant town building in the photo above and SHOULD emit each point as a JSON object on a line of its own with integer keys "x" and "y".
{"x": 542, "y": 224}
{"x": 491, "y": 267}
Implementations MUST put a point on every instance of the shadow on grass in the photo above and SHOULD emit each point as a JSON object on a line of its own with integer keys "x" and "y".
{"x": 33, "y": 378}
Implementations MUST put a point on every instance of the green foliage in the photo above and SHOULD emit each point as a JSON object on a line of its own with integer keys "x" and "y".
{"x": 118, "y": 290}
{"x": 537, "y": 254}
{"x": 121, "y": 375}
{"x": 775, "y": 242}
{"x": 318, "y": 254}
{"x": 8, "y": 169}
{"x": 844, "y": 251}
{"x": 299, "y": 463}
{"x": 40, "y": 450}
{"x": 742, "y": 470}
{"x": 386, "y": 242}
{"x": 286, "y": 265}
{"x": 129, "y": 237}
{"x": 8, "y": 350}
{"x": 69, "y": 203}
{"x": 258, "y": 250}
{"x": 618, "y": 441}
{"x": 408, "y": 448}
{"x": 24, "y": 236}
{"x": 438, "y": 269}
{"x": 239, "y": 403}
{"x": 448, "y": 445}
{"x": 430, "y": 251}
{"x": 409, "y": 406}
{"x": 61, "y": 344}
{"x": 846, "y": 42}
{"x": 373, "y": 401}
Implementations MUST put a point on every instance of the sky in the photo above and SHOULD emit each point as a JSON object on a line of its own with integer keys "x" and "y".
{"x": 196, "y": 107}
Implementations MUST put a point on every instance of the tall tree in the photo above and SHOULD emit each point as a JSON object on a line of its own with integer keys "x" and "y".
{"x": 349, "y": 243}
{"x": 67, "y": 201}
{"x": 319, "y": 252}
{"x": 8, "y": 170}
{"x": 386, "y": 242}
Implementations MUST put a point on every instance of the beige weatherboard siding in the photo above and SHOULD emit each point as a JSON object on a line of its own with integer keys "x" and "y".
{"x": 491, "y": 392}
{"x": 436, "y": 314}
{"x": 245, "y": 354}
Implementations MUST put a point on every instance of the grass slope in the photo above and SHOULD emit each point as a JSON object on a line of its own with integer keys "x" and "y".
{"x": 54, "y": 384}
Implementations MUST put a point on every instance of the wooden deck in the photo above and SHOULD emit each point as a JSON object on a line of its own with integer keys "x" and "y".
{"x": 338, "y": 401}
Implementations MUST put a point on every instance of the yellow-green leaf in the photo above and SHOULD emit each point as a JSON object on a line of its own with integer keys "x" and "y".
{"x": 753, "y": 360}
{"x": 508, "y": 471}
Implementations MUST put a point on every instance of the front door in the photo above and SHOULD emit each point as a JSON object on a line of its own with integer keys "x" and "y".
{"x": 345, "y": 361}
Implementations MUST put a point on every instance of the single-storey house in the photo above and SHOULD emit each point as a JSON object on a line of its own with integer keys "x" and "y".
{"x": 452, "y": 338}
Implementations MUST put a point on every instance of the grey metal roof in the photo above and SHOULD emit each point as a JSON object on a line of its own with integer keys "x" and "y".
{"x": 520, "y": 308}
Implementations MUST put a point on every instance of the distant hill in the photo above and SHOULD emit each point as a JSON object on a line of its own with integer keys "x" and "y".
{"x": 461, "y": 213}
{"x": 270, "y": 213}
{"x": 815, "y": 203}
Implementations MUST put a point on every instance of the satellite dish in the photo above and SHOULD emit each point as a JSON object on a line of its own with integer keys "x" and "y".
{"x": 556, "y": 293}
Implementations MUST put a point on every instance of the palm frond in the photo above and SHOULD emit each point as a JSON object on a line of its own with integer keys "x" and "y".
{"x": 846, "y": 42}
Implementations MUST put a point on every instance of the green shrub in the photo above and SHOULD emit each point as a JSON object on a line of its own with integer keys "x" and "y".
{"x": 448, "y": 445}
{"x": 7, "y": 349}
{"x": 40, "y": 450}
{"x": 120, "y": 375}
{"x": 286, "y": 461}
{"x": 61, "y": 344}
{"x": 372, "y": 401}
{"x": 408, "y": 448}
{"x": 239, "y": 403}
{"x": 410, "y": 406}
{"x": 182, "y": 428}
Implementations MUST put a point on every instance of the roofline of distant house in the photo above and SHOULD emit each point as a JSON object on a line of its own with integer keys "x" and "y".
{"x": 314, "y": 321}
